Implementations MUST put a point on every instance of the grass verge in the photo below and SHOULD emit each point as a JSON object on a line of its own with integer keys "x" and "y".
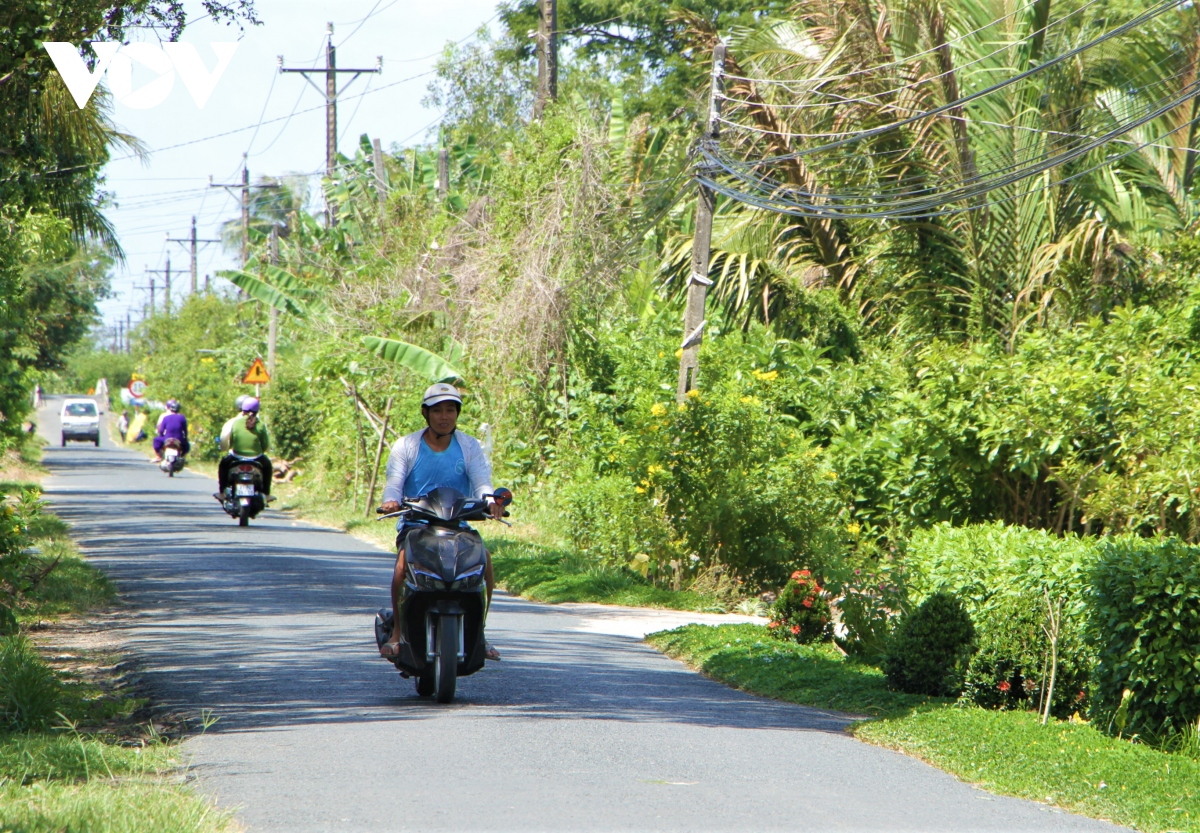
{"x": 525, "y": 564}
{"x": 1070, "y": 765}
{"x": 73, "y": 756}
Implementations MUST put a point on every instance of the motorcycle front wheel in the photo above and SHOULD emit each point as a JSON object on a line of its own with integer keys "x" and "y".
{"x": 445, "y": 669}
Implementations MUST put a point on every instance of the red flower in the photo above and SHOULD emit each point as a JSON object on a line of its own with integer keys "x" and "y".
{"x": 1079, "y": 697}
{"x": 817, "y": 588}
{"x": 805, "y": 573}
{"x": 1004, "y": 686}
{"x": 823, "y": 620}
{"x": 772, "y": 624}
{"x": 796, "y": 576}
{"x": 795, "y": 629}
{"x": 807, "y": 603}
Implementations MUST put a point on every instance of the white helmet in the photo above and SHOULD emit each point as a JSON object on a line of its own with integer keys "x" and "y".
{"x": 441, "y": 392}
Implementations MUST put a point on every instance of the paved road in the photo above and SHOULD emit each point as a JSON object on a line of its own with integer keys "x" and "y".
{"x": 271, "y": 629}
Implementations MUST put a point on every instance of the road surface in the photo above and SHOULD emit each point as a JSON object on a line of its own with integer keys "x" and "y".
{"x": 269, "y": 629}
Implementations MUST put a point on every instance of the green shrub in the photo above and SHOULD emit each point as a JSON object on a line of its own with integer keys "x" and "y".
{"x": 930, "y": 649}
{"x": 868, "y": 607}
{"x": 1006, "y": 576}
{"x": 725, "y": 478}
{"x": 612, "y": 525}
{"x": 29, "y": 691}
{"x": 1146, "y": 627}
{"x": 801, "y": 612}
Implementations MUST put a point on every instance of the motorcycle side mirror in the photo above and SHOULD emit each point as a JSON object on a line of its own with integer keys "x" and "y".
{"x": 503, "y": 497}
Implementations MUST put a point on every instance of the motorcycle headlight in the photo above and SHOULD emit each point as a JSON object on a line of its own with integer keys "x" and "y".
{"x": 469, "y": 579}
{"x": 427, "y": 580}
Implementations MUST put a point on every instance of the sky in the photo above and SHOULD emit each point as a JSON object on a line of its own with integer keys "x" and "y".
{"x": 278, "y": 120}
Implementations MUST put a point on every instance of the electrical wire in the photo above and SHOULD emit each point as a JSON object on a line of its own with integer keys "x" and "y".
{"x": 857, "y": 136}
{"x": 1016, "y": 160}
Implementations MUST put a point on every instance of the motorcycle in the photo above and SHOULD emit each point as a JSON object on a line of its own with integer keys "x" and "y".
{"x": 173, "y": 459}
{"x": 443, "y": 601}
{"x": 244, "y": 497}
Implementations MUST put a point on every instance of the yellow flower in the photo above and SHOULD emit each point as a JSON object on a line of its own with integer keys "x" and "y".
{"x": 853, "y": 529}
{"x": 679, "y": 353}
{"x": 655, "y": 469}
{"x": 207, "y": 360}
{"x": 621, "y": 440}
{"x": 661, "y": 354}
{"x": 767, "y": 376}
{"x": 832, "y": 475}
{"x": 749, "y": 400}
{"x": 694, "y": 393}
{"x": 658, "y": 409}
{"x": 683, "y": 406}
{"x": 639, "y": 490}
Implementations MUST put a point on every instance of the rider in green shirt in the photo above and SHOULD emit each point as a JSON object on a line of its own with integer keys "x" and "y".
{"x": 244, "y": 436}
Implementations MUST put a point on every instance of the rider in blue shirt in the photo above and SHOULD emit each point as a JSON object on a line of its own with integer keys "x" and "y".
{"x": 436, "y": 456}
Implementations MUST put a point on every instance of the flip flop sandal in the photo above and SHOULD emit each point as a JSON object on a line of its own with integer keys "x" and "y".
{"x": 490, "y": 652}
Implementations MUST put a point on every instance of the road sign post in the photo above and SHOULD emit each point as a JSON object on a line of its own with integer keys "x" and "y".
{"x": 257, "y": 375}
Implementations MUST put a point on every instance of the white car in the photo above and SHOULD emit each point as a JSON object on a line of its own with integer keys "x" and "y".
{"x": 80, "y": 421}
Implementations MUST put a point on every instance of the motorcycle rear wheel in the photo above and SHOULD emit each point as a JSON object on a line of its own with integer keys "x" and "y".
{"x": 244, "y": 516}
{"x": 445, "y": 669}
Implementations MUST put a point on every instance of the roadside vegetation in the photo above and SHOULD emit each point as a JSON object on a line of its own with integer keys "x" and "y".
{"x": 1064, "y": 763}
{"x": 954, "y": 458}
{"x": 76, "y": 751}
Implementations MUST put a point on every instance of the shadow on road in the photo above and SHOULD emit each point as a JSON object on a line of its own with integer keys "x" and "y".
{"x": 271, "y": 626}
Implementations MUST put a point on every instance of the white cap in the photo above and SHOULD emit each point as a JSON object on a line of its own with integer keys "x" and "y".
{"x": 441, "y": 392}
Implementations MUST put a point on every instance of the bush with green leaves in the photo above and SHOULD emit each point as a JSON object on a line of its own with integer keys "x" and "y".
{"x": 1010, "y": 578}
{"x": 931, "y": 647}
{"x": 1145, "y": 623}
{"x": 29, "y": 690}
{"x": 871, "y": 600}
{"x": 801, "y": 612}
{"x": 727, "y": 476}
{"x": 16, "y": 561}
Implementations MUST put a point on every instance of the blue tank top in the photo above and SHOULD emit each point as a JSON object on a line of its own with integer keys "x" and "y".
{"x": 435, "y": 469}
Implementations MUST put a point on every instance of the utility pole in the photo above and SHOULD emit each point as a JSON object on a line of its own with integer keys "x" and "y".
{"x": 443, "y": 172}
{"x": 245, "y": 197}
{"x": 128, "y": 327}
{"x": 166, "y": 273}
{"x": 380, "y": 182}
{"x": 193, "y": 240}
{"x": 331, "y": 95}
{"x": 273, "y": 331}
{"x": 699, "y": 282}
{"x": 547, "y": 52}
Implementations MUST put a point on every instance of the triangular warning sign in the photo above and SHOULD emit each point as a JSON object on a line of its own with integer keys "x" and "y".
{"x": 257, "y": 374}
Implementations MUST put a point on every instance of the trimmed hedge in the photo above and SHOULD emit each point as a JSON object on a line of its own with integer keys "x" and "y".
{"x": 1005, "y": 576}
{"x": 1145, "y": 605}
{"x": 930, "y": 648}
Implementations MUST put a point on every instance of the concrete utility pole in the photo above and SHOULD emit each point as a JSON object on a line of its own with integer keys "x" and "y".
{"x": 273, "y": 330}
{"x": 698, "y": 282}
{"x": 331, "y": 95}
{"x": 166, "y": 273}
{"x": 193, "y": 240}
{"x": 443, "y": 185}
{"x": 380, "y": 177}
{"x": 128, "y": 327}
{"x": 547, "y": 53}
{"x": 245, "y": 197}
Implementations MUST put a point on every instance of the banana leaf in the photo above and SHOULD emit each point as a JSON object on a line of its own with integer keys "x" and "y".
{"x": 260, "y": 290}
{"x": 417, "y": 359}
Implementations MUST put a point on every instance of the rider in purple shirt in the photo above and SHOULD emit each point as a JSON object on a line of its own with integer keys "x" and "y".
{"x": 172, "y": 426}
